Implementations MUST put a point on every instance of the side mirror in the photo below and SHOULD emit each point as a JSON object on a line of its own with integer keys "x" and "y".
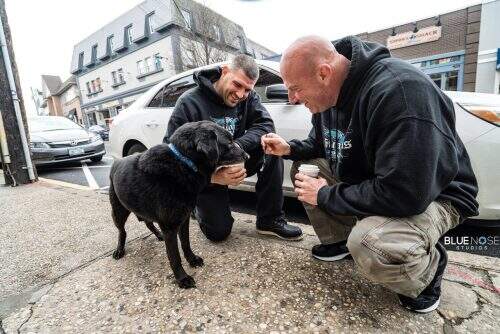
{"x": 277, "y": 92}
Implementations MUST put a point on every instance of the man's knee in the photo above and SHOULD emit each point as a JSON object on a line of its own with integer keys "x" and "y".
{"x": 216, "y": 234}
{"x": 215, "y": 231}
{"x": 386, "y": 249}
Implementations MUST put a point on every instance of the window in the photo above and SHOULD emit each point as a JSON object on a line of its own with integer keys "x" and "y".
{"x": 157, "y": 58}
{"x": 115, "y": 78}
{"x": 120, "y": 76}
{"x": 128, "y": 34}
{"x": 242, "y": 44}
{"x": 149, "y": 64}
{"x": 94, "y": 53}
{"x": 187, "y": 18}
{"x": 93, "y": 85}
{"x": 111, "y": 45}
{"x": 80, "y": 60}
{"x": 217, "y": 34}
{"x": 89, "y": 91}
{"x": 266, "y": 78}
{"x": 141, "y": 67}
{"x": 150, "y": 24}
{"x": 168, "y": 95}
{"x": 98, "y": 84}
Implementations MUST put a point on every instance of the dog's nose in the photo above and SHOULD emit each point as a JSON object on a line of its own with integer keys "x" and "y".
{"x": 246, "y": 156}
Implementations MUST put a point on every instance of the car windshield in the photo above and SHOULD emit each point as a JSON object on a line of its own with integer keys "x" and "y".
{"x": 50, "y": 123}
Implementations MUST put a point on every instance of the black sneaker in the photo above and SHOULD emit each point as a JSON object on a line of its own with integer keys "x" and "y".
{"x": 428, "y": 300}
{"x": 279, "y": 228}
{"x": 331, "y": 252}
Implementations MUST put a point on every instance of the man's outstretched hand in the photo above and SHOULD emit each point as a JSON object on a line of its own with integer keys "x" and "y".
{"x": 274, "y": 145}
{"x": 229, "y": 176}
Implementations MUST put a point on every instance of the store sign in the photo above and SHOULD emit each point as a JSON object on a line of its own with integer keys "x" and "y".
{"x": 409, "y": 38}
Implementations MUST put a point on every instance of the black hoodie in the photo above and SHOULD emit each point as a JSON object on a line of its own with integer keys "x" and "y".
{"x": 247, "y": 122}
{"x": 391, "y": 140}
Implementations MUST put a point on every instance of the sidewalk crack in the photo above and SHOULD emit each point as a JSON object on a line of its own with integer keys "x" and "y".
{"x": 459, "y": 320}
{"x": 32, "y": 305}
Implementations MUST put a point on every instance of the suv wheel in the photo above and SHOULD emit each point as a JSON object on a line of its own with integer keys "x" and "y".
{"x": 136, "y": 148}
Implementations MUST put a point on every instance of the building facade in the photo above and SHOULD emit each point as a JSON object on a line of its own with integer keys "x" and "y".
{"x": 61, "y": 98}
{"x": 459, "y": 50}
{"x": 445, "y": 47}
{"x": 488, "y": 63}
{"x": 147, "y": 44}
{"x": 51, "y": 103}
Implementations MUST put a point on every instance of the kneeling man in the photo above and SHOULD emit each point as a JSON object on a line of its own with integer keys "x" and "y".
{"x": 394, "y": 175}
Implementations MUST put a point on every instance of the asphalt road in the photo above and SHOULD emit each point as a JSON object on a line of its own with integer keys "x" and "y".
{"x": 96, "y": 176}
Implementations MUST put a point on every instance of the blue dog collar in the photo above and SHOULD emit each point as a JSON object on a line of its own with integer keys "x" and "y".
{"x": 182, "y": 158}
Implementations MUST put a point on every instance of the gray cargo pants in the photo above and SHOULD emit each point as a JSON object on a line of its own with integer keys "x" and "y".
{"x": 398, "y": 253}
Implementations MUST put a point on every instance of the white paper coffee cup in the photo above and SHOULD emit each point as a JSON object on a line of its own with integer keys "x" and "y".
{"x": 309, "y": 170}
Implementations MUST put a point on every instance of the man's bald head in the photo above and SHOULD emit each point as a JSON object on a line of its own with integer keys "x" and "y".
{"x": 307, "y": 52}
{"x": 313, "y": 71}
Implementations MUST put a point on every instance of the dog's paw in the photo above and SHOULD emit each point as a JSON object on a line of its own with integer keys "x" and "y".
{"x": 196, "y": 261}
{"x": 118, "y": 254}
{"x": 187, "y": 282}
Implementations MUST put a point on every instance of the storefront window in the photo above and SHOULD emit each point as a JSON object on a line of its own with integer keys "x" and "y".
{"x": 451, "y": 80}
{"x": 436, "y": 77}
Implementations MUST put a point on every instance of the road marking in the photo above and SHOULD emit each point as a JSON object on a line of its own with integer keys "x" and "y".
{"x": 90, "y": 178}
{"x": 64, "y": 184}
{"x": 70, "y": 168}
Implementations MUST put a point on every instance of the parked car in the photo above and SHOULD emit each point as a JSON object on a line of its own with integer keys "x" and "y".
{"x": 144, "y": 124}
{"x": 55, "y": 139}
{"x": 101, "y": 131}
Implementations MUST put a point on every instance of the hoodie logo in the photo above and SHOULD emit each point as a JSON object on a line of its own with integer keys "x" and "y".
{"x": 228, "y": 123}
{"x": 335, "y": 140}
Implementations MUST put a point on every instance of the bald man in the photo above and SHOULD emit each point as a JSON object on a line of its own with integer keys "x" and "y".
{"x": 394, "y": 175}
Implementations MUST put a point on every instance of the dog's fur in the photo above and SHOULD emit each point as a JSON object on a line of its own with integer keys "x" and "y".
{"x": 158, "y": 187}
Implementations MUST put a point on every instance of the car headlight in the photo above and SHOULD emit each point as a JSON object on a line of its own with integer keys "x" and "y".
{"x": 95, "y": 138}
{"x": 490, "y": 114}
{"x": 39, "y": 145}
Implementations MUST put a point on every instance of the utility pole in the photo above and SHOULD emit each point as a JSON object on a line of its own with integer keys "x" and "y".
{"x": 15, "y": 154}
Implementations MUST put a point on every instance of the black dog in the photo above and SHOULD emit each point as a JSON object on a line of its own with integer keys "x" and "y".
{"x": 161, "y": 185}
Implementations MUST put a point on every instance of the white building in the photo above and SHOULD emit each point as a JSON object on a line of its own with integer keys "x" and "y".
{"x": 149, "y": 43}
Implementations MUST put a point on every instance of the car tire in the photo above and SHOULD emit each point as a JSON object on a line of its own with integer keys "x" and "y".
{"x": 96, "y": 159}
{"x": 136, "y": 148}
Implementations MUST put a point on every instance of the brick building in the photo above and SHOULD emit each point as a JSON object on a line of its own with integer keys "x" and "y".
{"x": 459, "y": 50}
{"x": 445, "y": 47}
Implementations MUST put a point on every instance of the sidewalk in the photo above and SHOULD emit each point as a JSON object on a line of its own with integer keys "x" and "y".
{"x": 57, "y": 275}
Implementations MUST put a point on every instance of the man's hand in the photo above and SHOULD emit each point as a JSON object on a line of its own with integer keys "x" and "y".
{"x": 307, "y": 188}
{"x": 274, "y": 145}
{"x": 229, "y": 176}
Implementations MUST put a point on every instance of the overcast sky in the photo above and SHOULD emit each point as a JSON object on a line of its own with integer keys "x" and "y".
{"x": 44, "y": 32}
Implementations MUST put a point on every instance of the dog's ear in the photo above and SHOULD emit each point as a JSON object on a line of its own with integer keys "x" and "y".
{"x": 209, "y": 147}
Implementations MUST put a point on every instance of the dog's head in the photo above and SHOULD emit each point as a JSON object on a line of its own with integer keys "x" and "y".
{"x": 208, "y": 145}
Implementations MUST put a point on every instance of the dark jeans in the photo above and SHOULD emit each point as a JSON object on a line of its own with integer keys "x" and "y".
{"x": 212, "y": 208}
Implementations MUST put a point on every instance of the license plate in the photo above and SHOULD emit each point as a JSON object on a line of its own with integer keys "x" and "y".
{"x": 76, "y": 151}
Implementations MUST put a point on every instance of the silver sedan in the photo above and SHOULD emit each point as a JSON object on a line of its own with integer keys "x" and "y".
{"x": 55, "y": 139}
